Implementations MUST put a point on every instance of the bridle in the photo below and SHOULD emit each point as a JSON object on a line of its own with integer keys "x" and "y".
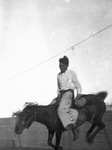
{"x": 32, "y": 116}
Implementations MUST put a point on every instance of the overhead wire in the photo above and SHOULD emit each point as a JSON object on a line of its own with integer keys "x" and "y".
{"x": 70, "y": 48}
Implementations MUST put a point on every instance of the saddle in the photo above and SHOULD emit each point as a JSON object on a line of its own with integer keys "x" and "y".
{"x": 80, "y": 102}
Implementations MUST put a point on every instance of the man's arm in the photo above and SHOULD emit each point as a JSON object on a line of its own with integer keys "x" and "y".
{"x": 58, "y": 86}
{"x": 77, "y": 84}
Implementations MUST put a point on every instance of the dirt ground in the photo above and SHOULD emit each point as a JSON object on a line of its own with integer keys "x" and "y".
{"x": 18, "y": 148}
{"x": 9, "y": 148}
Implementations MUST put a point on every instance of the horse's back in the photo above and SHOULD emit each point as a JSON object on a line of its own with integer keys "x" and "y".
{"x": 97, "y": 100}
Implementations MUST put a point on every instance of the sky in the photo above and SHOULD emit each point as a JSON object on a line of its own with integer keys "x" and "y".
{"x": 34, "y": 34}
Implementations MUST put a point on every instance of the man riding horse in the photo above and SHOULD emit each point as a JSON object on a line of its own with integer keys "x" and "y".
{"x": 87, "y": 107}
{"x": 67, "y": 82}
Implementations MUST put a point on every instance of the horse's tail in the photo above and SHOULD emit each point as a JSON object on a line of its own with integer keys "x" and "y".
{"x": 103, "y": 94}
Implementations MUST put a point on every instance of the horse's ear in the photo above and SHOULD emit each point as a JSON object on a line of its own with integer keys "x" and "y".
{"x": 15, "y": 114}
{"x": 36, "y": 103}
{"x": 28, "y": 103}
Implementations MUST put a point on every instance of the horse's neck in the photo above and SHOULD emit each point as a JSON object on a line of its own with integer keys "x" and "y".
{"x": 41, "y": 114}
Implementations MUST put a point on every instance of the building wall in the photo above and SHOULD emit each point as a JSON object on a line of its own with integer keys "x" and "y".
{"x": 36, "y": 136}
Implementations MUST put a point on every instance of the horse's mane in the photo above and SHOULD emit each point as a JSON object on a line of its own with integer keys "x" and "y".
{"x": 30, "y": 105}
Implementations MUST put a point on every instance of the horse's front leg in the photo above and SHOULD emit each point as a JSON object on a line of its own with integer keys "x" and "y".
{"x": 58, "y": 138}
{"x": 50, "y": 137}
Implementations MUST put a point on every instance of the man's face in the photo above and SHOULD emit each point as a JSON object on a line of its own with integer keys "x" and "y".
{"x": 63, "y": 67}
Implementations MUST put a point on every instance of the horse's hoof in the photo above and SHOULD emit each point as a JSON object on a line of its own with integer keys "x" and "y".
{"x": 90, "y": 141}
{"x": 87, "y": 135}
{"x": 60, "y": 148}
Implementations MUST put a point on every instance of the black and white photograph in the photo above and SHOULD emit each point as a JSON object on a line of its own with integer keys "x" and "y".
{"x": 55, "y": 75}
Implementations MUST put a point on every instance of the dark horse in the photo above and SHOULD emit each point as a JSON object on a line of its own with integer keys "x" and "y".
{"x": 47, "y": 115}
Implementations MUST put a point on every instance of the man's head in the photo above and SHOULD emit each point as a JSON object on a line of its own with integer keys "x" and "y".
{"x": 63, "y": 64}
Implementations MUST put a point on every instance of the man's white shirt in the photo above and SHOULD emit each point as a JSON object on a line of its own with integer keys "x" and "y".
{"x": 68, "y": 80}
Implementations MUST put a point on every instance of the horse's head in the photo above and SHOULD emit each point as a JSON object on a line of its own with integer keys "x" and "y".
{"x": 25, "y": 118}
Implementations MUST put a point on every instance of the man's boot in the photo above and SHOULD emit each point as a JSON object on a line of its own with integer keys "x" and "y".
{"x": 82, "y": 117}
{"x": 74, "y": 130}
{"x": 80, "y": 120}
{"x": 74, "y": 127}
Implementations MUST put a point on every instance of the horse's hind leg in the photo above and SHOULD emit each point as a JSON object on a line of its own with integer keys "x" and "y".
{"x": 101, "y": 126}
{"x": 50, "y": 137}
{"x": 89, "y": 133}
